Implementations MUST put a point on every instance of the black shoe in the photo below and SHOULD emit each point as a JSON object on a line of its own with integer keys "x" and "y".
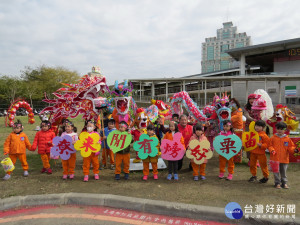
{"x": 126, "y": 177}
{"x": 117, "y": 177}
{"x": 252, "y": 179}
{"x": 263, "y": 180}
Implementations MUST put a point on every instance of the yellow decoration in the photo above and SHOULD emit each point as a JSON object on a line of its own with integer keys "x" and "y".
{"x": 8, "y": 165}
{"x": 88, "y": 143}
{"x": 291, "y": 124}
{"x": 250, "y": 138}
{"x": 199, "y": 152}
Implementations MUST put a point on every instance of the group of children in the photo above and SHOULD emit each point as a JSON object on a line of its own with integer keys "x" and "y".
{"x": 279, "y": 146}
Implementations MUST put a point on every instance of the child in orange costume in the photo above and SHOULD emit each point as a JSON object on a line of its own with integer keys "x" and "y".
{"x": 69, "y": 165}
{"x": 152, "y": 160}
{"x": 259, "y": 153}
{"x": 237, "y": 124}
{"x": 90, "y": 127}
{"x": 106, "y": 151}
{"x": 198, "y": 135}
{"x": 43, "y": 140}
{"x": 15, "y": 146}
{"x": 279, "y": 147}
{"x": 123, "y": 156}
{"x": 227, "y": 130}
{"x": 173, "y": 165}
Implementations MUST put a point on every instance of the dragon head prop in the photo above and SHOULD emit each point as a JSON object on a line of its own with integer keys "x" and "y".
{"x": 222, "y": 107}
{"x": 163, "y": 109}
{"x": 122, "y": 97}
{"x": 75, "y": 99}
{"x": 284, "y": 114}
{"x": 141, "y": 119}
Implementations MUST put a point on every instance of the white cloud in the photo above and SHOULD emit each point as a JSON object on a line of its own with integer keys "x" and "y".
{"x": 130, "y": 39}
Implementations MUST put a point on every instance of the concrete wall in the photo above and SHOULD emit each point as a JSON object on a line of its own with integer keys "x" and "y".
{"x": 287, "y": 66}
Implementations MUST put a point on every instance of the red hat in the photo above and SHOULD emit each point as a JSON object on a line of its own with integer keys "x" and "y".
{"x": 139, "y": 110}
{"x": 259, "y": 104}
{"x": 279, "y": 106}
{"x": 255, "y": 96}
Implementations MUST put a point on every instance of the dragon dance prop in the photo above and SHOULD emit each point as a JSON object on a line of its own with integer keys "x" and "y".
{"x": 13, "y": 109}
{"x": 75, "y": 99}
{"x": 283, "y": 114}
{"x": 163, "y": 109}
{"x": 219, "y": 109}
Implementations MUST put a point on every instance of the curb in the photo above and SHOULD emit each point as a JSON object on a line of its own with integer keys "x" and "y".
{"x": 196, "y": 212}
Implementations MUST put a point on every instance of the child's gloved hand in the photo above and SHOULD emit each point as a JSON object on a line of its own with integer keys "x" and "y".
{"x": 32, "y": 149}
{"x": 5, "y": 153}
{"x": 97, "y": 153}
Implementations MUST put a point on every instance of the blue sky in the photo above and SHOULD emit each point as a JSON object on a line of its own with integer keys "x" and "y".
{"x": 131, "y": 38}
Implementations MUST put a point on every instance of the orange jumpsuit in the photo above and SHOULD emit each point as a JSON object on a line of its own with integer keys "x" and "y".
{"x": 69, "y": 165}
{"x": 282, "y": 146}
{"x": 93, "y": 158}
{"x": 238, "y": 126}
{"x": 87, "y": 163}
{"x": 123, "y": 156}
{"x": 152, "y": 160}
{"x": 223, "y": 160}
{"x": 15, "y": 145}
{"x": 259, "y": 154}
{"x": 198, "y": 168}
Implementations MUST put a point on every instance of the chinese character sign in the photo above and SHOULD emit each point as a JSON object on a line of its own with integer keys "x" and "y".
{"x": 172, "y": 150}
{"x": 227, "y": 146}
{"x": 199, "y": 152}
{"x": 251, "y": 138}
{"x": 88, "y": 143}
{"x": 63, "y": 147}
{"x": 146, "y": 146}
{"x": 117, "y": 140}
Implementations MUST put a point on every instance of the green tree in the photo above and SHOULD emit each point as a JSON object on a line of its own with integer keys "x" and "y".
{"x": 44, "y": 79}
{"x": 10, "y": 88}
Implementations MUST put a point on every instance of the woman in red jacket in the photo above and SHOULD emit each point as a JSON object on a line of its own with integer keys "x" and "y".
{"x": 43, "y": 140}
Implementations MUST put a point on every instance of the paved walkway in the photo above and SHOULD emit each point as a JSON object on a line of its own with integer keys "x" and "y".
{"x": 90, "y": 215}
{"x": 82, "y": 208}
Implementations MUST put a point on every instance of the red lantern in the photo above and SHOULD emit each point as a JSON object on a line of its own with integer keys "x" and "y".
{"x": 31, "y": 120}
{"x": 11, "y": 123}
{"x": 30, "y": 110}
{"x": 11, "y": 117}
{"x": 31, "y": 115}
{"x": 17, "y": 105}
{"x": 13, "y": 110}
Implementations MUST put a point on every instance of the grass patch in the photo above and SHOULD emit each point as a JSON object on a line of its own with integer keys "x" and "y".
{"x": 211, "y": 192}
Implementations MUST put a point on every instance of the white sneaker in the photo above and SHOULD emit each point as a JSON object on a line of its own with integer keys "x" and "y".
{"x": 6, "y": 177}
{"x": 26, "y": 173}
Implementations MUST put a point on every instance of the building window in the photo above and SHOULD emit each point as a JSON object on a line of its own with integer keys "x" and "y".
{"x": 224, "y": 48}
{"x": 291, "y": 101}
{"x": 239, "y": 44}
{"x": 226, "y": 35}
{"x": 224, "y": 65}
{"x": 210, "y": 68}
{"x": 210, "y": 53}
